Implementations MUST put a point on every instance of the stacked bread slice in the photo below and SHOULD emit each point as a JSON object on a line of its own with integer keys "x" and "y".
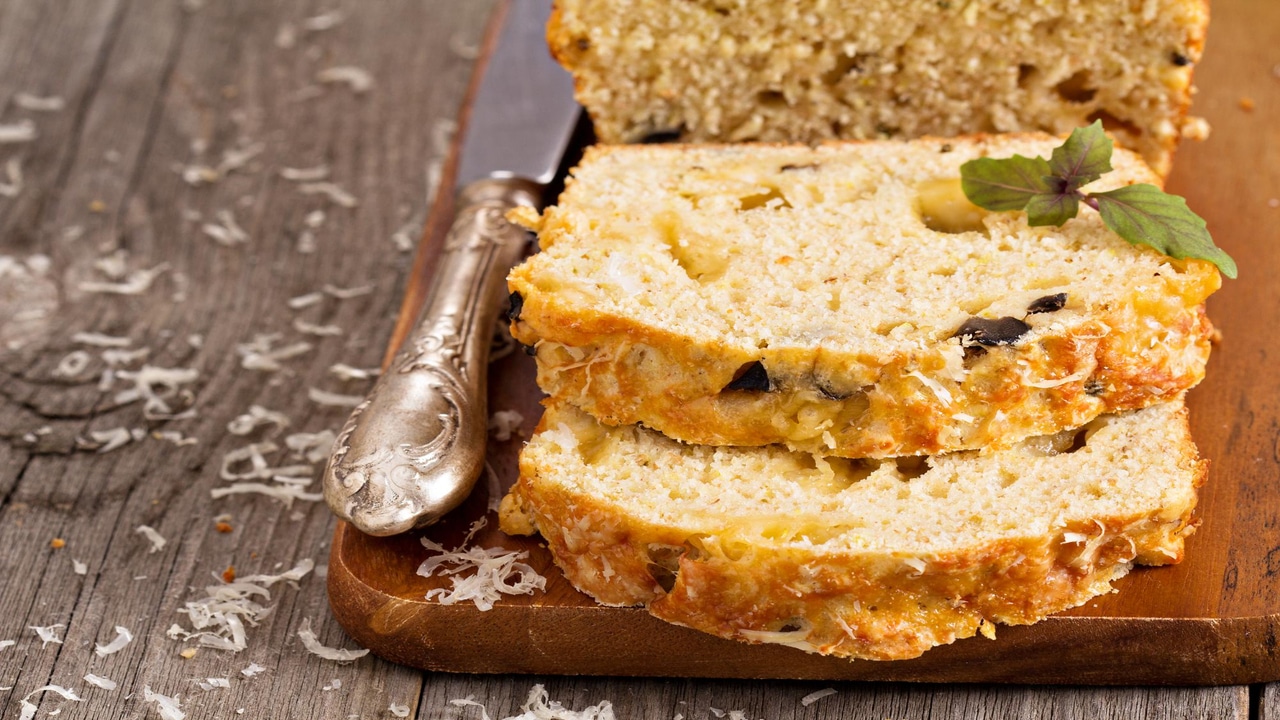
{"x": 864, "y": 559}
{"x": 811, "y": 395}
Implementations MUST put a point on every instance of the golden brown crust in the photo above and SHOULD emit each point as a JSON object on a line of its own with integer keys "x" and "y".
{"x": 873, "y": 605}
{"x": 561, "y": 43}
{"x": 624, "y": 372}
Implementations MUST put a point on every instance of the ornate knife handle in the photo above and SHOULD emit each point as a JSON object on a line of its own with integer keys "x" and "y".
{"x": 412, "y": 451}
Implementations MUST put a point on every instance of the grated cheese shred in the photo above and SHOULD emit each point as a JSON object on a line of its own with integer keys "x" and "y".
{"x": 284, "y": 493}
{"x": 13, "y": 172}
{"x": 226, "y": 232}
{"x": 917, "y": 565}
{"x": 123, "y": 638}
{"x": 342, "y": 293}
{"x": 19, "y": 132}
{"x": 255, "y": 418}
{"x": 309, "y": 328}
{"x": 331, "y": 192}
{"x": 505, "y": 423}
{"x": 497, "y": 572}
{"x": 539, "y": 706}
{"x": 28, "y": 709}
{"x": 36, "y": 103}
{"x": 324, "y": 397}
{"x": 941, "y": 392}
{"x": 48, "y": 634}
{"x": 101, "y": 340}
{"x": 261, "y": 353}
{"x": 312, "y": 447}
{"x": 104, "y": 441}
{"x": 135, "y": 283}
{"x": 259, "y": 468}
{"x": 313, "y": 645}
{"x": 157, "y": 387}
{"x": 345, "y": 372}
{"x": 169, "y": 707}
{"x": 157, "y": 540}
{"x": 302, "y": 301}
{"x": 817, "y": 695}
{"x": 175, "y": 437}
{"x": 72, "y": 364}
{"x": 311, "y": 174}
{"x": 358, "y": 79}
{"x": 100, "y": 682}
{"x": 218, "y": 620}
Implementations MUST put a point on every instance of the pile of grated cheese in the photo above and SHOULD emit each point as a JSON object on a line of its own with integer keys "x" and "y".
{"x": 218, "y": 619}
{"x": 540, "y": 706}
{"x": 497, "y": 572}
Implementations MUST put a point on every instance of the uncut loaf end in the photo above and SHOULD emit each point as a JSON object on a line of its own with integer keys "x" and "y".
{"x": 749, "y": 70}
{"x": 846, "y": 300}
{"x": 861, "y": 559}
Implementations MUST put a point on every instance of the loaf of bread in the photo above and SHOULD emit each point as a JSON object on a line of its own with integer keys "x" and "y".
{"x": 855, "y": 558}
{"x": 846, "y": 300}
{"x": 804, "y": 71}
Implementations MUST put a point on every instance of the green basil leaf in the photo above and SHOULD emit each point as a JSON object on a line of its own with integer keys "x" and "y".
{"x": 1083, "y": 158}
{"x": 1053, "y": 208}
{"x": 1005, "y": 184}
{"x": 1145, "y": 214}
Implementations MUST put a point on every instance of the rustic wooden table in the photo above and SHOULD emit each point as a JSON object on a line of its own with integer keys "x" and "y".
{"x": 147, "y": 219}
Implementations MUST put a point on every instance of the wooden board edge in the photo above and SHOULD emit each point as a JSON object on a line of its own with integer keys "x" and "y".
{"x": 524, "y": 639}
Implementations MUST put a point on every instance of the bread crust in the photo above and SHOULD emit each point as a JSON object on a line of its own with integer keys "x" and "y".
{"x": 875, "y": 605}
{"x": 624, "y": 372}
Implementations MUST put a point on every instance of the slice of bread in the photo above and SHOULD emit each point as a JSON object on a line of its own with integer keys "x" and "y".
{"x": 861, "y": 69}
{"x": 846, "y": 300}
{"x": 861, "y": 559}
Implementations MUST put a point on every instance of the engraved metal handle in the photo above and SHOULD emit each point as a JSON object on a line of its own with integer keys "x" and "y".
{"x": 412, "y": 451}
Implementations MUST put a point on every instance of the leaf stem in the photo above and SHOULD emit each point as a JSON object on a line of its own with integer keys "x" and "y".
{"x": 1089, "y": 200}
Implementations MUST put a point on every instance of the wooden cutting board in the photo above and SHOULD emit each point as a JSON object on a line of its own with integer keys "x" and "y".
{"x": 1214, "y": 619}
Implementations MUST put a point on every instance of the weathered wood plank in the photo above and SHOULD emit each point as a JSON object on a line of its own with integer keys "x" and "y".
{"x": 146, "y": 85}
{"x": 48, "y": 51}
{"x": 1267, "y": 698}
{"x": 778, "y": 700}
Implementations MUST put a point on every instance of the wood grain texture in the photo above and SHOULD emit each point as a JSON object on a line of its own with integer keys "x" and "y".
{"x": 142, "y": 80}
{"x": 780, "y": 700}
{"x": 1266, "y": 701}
{"x": 1214, "y": 619}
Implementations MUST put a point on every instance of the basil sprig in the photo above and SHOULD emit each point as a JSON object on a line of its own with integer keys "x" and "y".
{"x": 1049, "y": 192}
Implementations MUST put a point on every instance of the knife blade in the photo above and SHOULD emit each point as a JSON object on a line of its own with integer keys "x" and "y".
{"x": 412, "y": 451}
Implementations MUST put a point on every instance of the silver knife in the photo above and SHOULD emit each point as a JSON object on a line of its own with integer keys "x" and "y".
{"x": 412, "y": 451}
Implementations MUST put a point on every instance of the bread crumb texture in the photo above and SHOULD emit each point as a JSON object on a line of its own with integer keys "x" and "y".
{"x": 856, "y": 558}
{"x": 736, "y": 70}
{"x": 825, "y": 298}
